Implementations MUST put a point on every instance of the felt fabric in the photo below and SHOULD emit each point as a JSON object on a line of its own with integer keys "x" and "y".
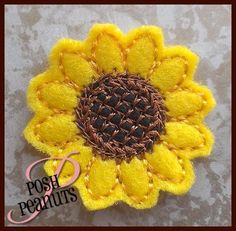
{"x": 52, "y": 95}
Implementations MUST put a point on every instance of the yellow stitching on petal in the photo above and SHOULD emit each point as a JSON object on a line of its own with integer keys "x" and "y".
{"x": 71, "y": 83}
{"x": 93, "y": 55}
{"x": 155, "y": 63}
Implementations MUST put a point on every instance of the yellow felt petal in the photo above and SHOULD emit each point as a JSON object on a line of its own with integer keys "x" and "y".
{"x": 177, "y": 65}
{"x": 208, "y": 101}
{"x": 148, "y": 201}
{"x": 192, "y": 102}
{"x": 78, "y": 69}
{"x": 165, "y": 163}
{"x": 51, "y": 134}
{"x": 189, "y": 56}
{"x": 58, "y": 96}
{"x": 68, "y": 59}
{"x": 169, "y": 73}
{"x": 184, "y": 184}
{"x": 134, "y": 178}
{"x": 104, "y": 46}
{"x": 95, "y": 203}
{"x": 34, "y": 91}
{"x": 144, "y": 47}
{"x": 101, "y": 177}
{"x": 204, "y": 149}
{"x": 182, "y": 135}
{"x": 57, "y": 129}
{"x": 108, "y": 54}
{"x": 183, "y": 103}
{"x": 141, "y": 56}
{"x": 33, "y": 138}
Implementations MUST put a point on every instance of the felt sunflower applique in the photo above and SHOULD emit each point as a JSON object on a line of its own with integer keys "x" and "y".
{"x": 129, "y": 106}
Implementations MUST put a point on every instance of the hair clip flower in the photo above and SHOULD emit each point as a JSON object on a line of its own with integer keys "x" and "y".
{"x": 129, "y": 105}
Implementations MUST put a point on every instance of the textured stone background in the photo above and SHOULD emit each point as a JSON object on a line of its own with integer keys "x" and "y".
{"x": 30, "y": 32}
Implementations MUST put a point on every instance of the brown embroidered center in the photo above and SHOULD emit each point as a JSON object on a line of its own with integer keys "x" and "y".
{"x": 121, "y": 116}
